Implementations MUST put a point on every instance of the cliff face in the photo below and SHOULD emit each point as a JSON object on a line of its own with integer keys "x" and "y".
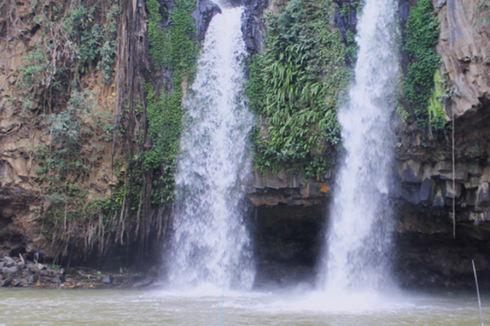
{"x": 85, "y": 172}
{"x": 465, "y": 50}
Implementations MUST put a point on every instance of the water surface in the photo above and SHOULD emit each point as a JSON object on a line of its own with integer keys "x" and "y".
{"x": 202, "y": 307}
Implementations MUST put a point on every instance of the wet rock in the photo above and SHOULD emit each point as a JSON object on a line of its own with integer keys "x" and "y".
{"x": 475, "y": 170}
{"x": 11, "y": 270}
{"x": 276, "y": 181}
{"x": 32, "y": 278}
{"x": 143, "y": 283}
{"x": 6, "y": 282}
{"x": 470, "y": 198}
{"x": 203, "y": 14}
{"x": 472, "y": 183}
{"x": 427, "y": 189}
{"x": 483, "y": 197}
{"x": 439, "y": 197}
{"x": 8, "y": 261}
{"x": 58, "y": 279}
{"x": 412, "y": 172}
{"x": 453, "y": 192}
{"x": 17, "y": 282}
{"x": 107, "y": 279}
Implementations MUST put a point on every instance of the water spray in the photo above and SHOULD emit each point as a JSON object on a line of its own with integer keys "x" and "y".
{"x": 223, "y": 299}
{"x": 477, "y": 292}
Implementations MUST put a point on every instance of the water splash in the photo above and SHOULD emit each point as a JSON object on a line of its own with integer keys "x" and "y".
{"x": 359, "y": 237}
{"x": 209, "y": 232}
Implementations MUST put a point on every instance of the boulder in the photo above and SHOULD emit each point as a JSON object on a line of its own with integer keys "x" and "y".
{"x": 58, "y": 279}
{"x": 11, "y": 270}
{"x": 6, "y": 282}
{"x": 8, "y": 261}
{"x": 107, "y": 279}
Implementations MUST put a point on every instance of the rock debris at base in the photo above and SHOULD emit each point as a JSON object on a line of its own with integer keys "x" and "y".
{"x": 20, "y": 272}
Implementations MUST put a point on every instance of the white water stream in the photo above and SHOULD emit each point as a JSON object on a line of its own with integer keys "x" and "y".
{"x": 359, "y": 238}
{"x": 211, "y": 243}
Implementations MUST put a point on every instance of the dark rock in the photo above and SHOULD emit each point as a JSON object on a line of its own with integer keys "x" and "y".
{"x": 58, "y": 279}
{"x": 6, "y": 282}
{"x": 276, "y": 181}
{"x": 427, "y": 189}
{"x": 11, "y": 270}
{"x": 453, "y": 192}
{"x": 461, "y": 174}
{"x": 32, "y": 278}
{"x": 470, "y": 197}
{"x": 8, "y": 261}
{"x": 439, "y": 197}
{"x": 107, "y": 279}
{"x": 475, "y": 170}
{"x": 253, "y": 26}
{"x": 143, "y": 283}
{"x": 483, "y": 197}
{"x": 411, "y": 193}
{"x": 205, "y": 11}
{"x": 412, "y": 172}
{"x": 259, "y": 180}
{"x": 472, "y": 183}
{"x": 17, "y": 282}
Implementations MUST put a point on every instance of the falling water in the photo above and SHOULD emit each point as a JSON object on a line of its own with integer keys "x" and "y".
{"x": 211, "y": 243}
{"x": 359, "y": 238}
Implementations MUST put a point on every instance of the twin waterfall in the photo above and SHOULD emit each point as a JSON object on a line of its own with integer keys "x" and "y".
{"x": 358, "y": 240}
{"x": 211, "y": 243}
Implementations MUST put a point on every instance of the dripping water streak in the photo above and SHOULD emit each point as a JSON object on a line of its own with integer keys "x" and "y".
{"x": 359, "y": 237}
{"x": 210, "y": 237}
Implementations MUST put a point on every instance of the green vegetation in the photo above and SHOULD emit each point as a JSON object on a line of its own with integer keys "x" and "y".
{"x": 437, "y": 116}
{"x": 422, "y": 31}
{"x": 177, "y": 51}
{"x": 296, "y": 84}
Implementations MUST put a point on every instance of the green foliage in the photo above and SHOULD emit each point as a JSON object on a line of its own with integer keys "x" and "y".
{"x": 422, "y": 31}
{"x": 157, "y": 36}
{"x": 164, "y": 114}
{"x": 66, "y": 132}
{"x": 296, "y": 84}
{"x": 436, "y": 111}
{"x": 175, "y": 50}
{"x": 71, "y": 42}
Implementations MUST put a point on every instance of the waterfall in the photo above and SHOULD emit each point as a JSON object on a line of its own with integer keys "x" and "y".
{"x": 358, "y": 239}
{"x": 211, "y": 243}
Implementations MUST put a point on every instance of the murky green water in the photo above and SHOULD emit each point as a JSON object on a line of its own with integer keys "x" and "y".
{"x": 202, "y": 307}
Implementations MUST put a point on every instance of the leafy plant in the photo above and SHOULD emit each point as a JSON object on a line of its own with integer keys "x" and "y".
{"x": 422, "y": 31}
{"x": 296, "y": 84}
